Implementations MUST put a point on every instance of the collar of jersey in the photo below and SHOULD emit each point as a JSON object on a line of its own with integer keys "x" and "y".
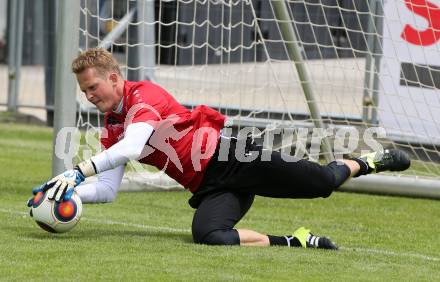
{"x": 118, "y": 109}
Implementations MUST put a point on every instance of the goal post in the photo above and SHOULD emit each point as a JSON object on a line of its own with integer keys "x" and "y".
{"x": 65, "y": 85}
{"x": 344, "y": 67}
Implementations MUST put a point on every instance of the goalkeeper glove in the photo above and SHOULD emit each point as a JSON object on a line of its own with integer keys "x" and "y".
{"x": 63, "y": 185}
{"x": 35, "y": 191}
{"x": 61, "y": 191}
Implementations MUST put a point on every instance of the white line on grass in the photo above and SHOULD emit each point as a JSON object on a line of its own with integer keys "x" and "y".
{"x": 141, "y": 226}
{"x": 177, "y": 230}
{"x": 389, "y": 253}
{"x": 112, "y": 222}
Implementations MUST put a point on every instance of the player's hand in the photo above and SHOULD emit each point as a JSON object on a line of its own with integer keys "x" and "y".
{"x": 61, "y": 186}
{"x": 35, "y": 191}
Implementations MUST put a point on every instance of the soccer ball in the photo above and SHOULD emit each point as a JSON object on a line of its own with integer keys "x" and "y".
{"x": 56, "y": 217}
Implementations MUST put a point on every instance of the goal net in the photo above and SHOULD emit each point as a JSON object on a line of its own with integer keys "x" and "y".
{"x": 360, "y": 70}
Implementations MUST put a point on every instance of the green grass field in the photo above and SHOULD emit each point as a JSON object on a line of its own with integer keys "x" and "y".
{"x": 146, "y": 236}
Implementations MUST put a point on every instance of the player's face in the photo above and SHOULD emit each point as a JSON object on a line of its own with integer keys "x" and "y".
{"x": 99, "y": 90}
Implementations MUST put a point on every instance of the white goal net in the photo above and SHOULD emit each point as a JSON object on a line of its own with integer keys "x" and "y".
{"x": 289, "y": 64}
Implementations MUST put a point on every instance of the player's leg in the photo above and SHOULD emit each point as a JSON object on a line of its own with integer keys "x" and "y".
{"x": 302, "y": 237}
{"x": 388, "y": 160}
{"x": 218, "y": 213}
{"x": 278, "y": 178}
{"x": 304, "y": 179}
{"x": 353, "y": 166}
{"x": 216, "y": 216}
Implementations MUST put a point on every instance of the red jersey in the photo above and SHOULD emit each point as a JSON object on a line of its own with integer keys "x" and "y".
{"x": 183, "y": 141}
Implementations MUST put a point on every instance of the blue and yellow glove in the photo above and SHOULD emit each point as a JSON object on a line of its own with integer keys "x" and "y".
{"x": 35, "y": 191}
{"x": 63, "y": 184}
{"x": 61, "y": 187}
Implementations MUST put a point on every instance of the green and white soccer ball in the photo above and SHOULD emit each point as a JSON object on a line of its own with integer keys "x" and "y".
{"x": 56, "y": 217}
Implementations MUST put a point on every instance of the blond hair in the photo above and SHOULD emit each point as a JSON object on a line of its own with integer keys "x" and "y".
{"x": 99, "y": 59}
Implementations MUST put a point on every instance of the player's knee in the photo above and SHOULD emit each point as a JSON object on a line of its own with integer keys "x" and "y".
{"x": 327, "y": 182}
{"x": 339, "y": 173}
{"x": 332, "y": 177}
{"x": 217, "y": 237}
{"x": 328, "y": 188}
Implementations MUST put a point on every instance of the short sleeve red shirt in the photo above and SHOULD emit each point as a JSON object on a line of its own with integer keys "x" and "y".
{"x": 183, "y": 141}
